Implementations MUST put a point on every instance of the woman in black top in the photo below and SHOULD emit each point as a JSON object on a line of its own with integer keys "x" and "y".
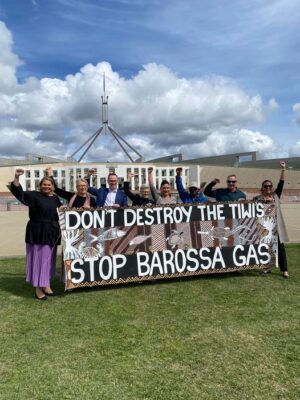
{"x": 137, "y": 199}
{"x": 269, "y": 196}
{"x": 79, "y": 199}
{"x": 42, "y": 233}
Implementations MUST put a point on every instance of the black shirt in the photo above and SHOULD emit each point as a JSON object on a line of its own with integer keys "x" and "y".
{"x": 42, "y": 227}
{"x": 137, "y": 199}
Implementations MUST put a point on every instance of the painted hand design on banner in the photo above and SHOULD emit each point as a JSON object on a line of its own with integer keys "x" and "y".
{"x": 268, "y": 223}
{"x": 70, "y": 238}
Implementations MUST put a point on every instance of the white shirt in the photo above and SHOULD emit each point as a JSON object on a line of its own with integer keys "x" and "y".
{"x": 111, "y": 198}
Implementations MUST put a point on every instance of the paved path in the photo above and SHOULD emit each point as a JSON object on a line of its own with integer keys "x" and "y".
{"x": 13, "y": 223}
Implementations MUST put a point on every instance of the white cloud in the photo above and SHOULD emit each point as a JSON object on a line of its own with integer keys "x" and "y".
{"x": 295, "y": 150}
{"x": 156, "y": 110}
{"x": 296, "y": 109}
{"x": 273, "y": 105}
{"x": 8, "y": 61}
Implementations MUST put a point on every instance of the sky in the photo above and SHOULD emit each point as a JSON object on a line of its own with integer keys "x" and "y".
{"x": 198, "y": 77}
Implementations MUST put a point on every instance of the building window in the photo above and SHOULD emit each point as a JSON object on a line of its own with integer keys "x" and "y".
{"x": 164, "y": 172}
{"x": 172, "y": 172}
{"x": 27, "y": 185}
{"x": 27, "y": 174}
{"x": 112, "y": 170}
{"x": 143, "y": 176}
{"x": 94, "y": 180}
{"x": 63, "y": 173}
{"x": 36, "y": 173}
{"x": 103, "y": 182}
{"x": 55, "y": 173}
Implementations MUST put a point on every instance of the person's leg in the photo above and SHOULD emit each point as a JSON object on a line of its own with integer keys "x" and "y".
{"x": 282, "y": 259}
{"x": 40, "y": 267}
{"x": 52, "y": 269}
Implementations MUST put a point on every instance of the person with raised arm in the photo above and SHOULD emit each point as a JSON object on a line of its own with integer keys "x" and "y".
{"x": 80, "y": 199}
{"x": 231, "y": 193}
{"x": 42, "y": 233}
{"x": 164, "y": 196}
{"x": 108, "y": 197}
{"x": 141, "y": 199}
{"x": 194, "y": 195}
{"x": 268, "y": 195}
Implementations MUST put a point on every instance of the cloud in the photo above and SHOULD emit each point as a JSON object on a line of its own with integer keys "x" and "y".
{"x": 156, "y": 110}
{"x": 295, "y": 150}
{"x": 296, "y": 109}
{"x": 8, "y": 61}
{"x": 273, "y": 105}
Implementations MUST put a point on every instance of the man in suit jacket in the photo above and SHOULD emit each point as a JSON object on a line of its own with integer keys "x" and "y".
{"x": 111, "y": 196}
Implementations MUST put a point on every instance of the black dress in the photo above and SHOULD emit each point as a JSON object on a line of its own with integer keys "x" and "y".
{"x": 42, "y": 227}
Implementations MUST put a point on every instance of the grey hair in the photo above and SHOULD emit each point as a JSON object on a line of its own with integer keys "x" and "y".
{"x": 80, "y": 180}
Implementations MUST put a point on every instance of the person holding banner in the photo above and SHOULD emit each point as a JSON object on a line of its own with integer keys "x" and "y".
{"x": 269, "y": 196}
{"x": 111, "y": 196}
{"x": 137, "y": 199}
{"x": 42, "y": 233}
{"x": 164, "y": 197}
{"x": 194, "y": 195}
{"x": 231, "y": 193}
{"x": 81, "y": 198}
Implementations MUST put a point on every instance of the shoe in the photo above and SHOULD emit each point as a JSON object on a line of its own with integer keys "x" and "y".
{"x": 40, "y": 298}
{"x": 48, "y": 294}
{"x": 285, "y": 274}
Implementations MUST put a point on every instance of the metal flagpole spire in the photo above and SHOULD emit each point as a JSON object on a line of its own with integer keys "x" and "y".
{"x": 107, "y": 128}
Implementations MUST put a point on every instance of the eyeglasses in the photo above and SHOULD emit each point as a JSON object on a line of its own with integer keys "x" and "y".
{"x": 266, "y": 186}
{"x": 231, "y": 181}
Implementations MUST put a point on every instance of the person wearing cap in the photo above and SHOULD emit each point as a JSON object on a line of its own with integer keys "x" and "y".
{"x": 194, "y": 195}
{"x": 231, "y": 193}
{"x": 141, "y": 199}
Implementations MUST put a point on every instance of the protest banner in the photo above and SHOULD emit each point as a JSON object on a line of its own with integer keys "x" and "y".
{"x": 108, "y": 246}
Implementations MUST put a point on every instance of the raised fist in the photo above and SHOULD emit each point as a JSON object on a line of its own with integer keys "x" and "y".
{"x": 283, "y": 164}
{"x": 178, "y": 171}
{"x": 150, "y": 170}
{"x": 130, "y": 175}
{"x": 91, "y": 172}
{"x": 49, "y": 171}
{"x": 216, "y": 180}
{"x": 19, "y": 172}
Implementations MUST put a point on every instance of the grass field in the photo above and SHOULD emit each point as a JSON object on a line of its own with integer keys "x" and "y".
{"x": 234, "y": 336}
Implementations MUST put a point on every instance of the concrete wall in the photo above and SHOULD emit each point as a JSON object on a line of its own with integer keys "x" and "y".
{"x": 13, "y": 223}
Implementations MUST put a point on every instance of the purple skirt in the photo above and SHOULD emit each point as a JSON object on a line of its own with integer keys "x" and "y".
{"x": 40, "y": 264}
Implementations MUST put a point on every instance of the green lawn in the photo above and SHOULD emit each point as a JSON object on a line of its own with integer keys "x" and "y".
{"x": 232, "y": 336}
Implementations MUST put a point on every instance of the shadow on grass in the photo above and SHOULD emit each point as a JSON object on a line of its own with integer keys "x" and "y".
{"x": 15, "y": 284}
{"x": 209, "y": 277}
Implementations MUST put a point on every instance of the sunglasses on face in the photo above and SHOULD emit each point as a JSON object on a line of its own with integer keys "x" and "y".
{"x": 266, "y": 186}
{"x": 231, "y": 181}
